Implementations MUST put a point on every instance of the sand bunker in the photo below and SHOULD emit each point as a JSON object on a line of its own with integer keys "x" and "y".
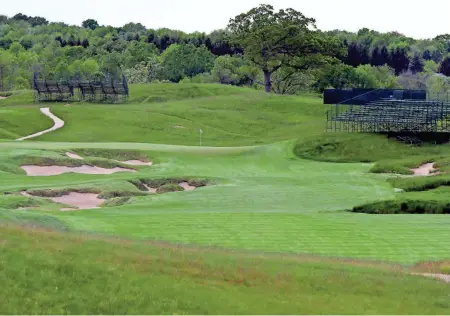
{"x": 425, "y": 170}
{"x": 74, "y": 156}
{"x": 81, "y": 201}
{"x": 186, "y": 186}
{"x": 3, "y": 98}
{"x": 179, "y": 126}
{"x": 137, "y": 163}
{"x": 127, "y": 162}
{"x": 151, "y": 190}
{"x": 57, "y": 170}
{"x": 78, "y": 201}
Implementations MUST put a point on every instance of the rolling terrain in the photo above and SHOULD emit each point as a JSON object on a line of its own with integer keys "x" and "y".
{"x": 267, "y": 222}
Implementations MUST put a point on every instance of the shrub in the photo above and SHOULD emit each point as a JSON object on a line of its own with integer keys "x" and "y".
{"x": 404, "y": 207}
{"x": 390, "y": 168}
{"x": 61, "y": 192}
{"x": 445, "y": 269}
{"x": 113, "y": 154}
{"x": 198, "y": 183}
{"x": 118, "y": 201}
{"x": 156, "y": 183}
{"x": 171, "y": 187}
{"x": 119, "y": 194}
{"x": 138, "y": 184}
{"x": 417, "y": 184}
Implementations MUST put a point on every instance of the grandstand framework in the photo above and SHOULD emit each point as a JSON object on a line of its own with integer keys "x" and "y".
{"x": 113, "y": 91}
{"x": 390, "y": 115}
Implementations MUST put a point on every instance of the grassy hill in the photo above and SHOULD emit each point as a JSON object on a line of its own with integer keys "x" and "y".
{"x": 278, "y": 183}
{"x": 52, "y": 273}
{"x": 174, "y": 114}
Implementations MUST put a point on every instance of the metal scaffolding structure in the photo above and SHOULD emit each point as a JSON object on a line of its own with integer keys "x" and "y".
{"x": 87, "y": 91}
{"x": 390, "y": 115}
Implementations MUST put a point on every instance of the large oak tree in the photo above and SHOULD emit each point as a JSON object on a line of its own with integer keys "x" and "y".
{"x": 287, "y": 38}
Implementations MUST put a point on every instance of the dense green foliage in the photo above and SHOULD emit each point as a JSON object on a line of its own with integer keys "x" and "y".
{"x": 291, "y": 56}
{"x": 281, "y": 40}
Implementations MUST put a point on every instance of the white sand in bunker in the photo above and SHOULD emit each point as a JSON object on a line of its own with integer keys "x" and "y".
{"x": 425, "y": 170}
{"x": 151, "y": 190}
{"x": 3, "y": 98}
{"x": 186, "y": 186}
{"x": 74, "y": 156}
{"x": 82, "y": 201}
{"x": 57, "y": 170}
{"x": 137, "y": 163}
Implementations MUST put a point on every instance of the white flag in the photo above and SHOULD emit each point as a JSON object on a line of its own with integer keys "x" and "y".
{"x": 201, "y": 131}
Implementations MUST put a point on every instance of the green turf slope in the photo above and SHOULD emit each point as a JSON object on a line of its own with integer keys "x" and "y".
{"x": 44, "y": 272}
{"x": 264, "y": 199}
{"x": 19, "y": 121}
{"x": 228, "y": 116}
{"x": 285, "y": 190}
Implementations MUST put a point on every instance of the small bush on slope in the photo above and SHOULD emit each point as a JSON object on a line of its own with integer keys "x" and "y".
{"x": 404, "y": 207}
{"x": 416, "y": 184}
{"x": 362, "y": 147}
{"x": 171, "y": 187}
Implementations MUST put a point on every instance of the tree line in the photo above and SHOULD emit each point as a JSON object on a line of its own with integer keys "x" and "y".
{"x": 279, "y": 51}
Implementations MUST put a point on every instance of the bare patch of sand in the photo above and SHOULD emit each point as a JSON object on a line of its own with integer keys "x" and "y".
{"x": 137, "y": 163}
{"x": 68, "y": 209}
{"x": 438, "y": 276}
{"x": 74, "y": 156}
{"x": 81, "y": 201}
{"x": 25, "y": 193}
{"x": 425, "y": 170}
{"x": 3, "y": 98}
{"x": 151, "y": 190}
{"x": 57, "y": 170}
{"x": 28, "y": 208}
{"x": 186, "y": 186}
{"x": 179, "y": 126}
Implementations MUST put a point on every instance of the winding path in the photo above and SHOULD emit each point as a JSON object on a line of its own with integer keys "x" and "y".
{"x": 58, "y": 124}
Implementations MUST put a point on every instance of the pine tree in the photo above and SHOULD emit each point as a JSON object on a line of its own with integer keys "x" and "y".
{"x": 417, "y": 64}
{"x": 353, "y": 55}
{"x": 399, "y": 60}
{"x": 385, "y": 58}
{"x": 85, "y": 43}
{"x": 364, "y": 55}
{"x": 426, "y": 54}
{"x": 444, "y": 67}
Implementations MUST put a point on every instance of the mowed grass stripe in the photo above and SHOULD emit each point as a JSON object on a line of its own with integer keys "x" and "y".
{"x": 398, "y": 238}
{"x": 50, "y": 271}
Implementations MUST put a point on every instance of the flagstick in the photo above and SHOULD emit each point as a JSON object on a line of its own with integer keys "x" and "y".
{"x": 201, "y": 132}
